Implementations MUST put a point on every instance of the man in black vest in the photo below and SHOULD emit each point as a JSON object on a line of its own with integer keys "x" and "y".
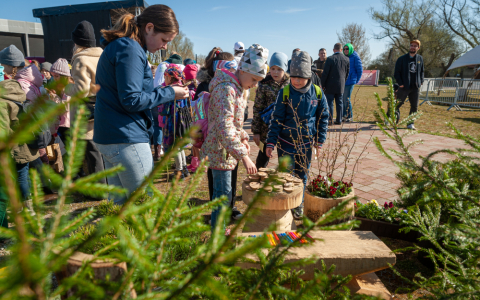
{"x": 334, "y": 76}
{"x": 409, "y": 74}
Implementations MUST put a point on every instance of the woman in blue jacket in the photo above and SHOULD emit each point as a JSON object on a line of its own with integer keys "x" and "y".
{"x": 123, "y": 118}
{"x": 354, "y": 76}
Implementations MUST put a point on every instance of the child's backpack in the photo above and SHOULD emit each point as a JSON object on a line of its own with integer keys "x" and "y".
{"x": 200, "y": 118}
{"x": 266, "y": 114}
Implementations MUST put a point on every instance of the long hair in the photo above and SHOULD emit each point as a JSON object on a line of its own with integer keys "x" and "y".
{"x": 216, "y": 54}
{"x": 77, "y": 49}
{"x": 161, "y": 16}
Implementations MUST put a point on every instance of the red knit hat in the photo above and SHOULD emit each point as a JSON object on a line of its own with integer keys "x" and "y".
{"x": 190, "y": 72}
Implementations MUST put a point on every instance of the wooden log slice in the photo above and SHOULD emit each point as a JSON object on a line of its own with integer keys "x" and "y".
{"x": 262, "y": 174}
{"x": 254, "y": 178}
{"x": 297, "y": 180}
{"x": 255, "y": 185}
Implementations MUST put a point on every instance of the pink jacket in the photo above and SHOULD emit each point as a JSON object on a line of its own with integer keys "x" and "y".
{"x": 31, "y": 81}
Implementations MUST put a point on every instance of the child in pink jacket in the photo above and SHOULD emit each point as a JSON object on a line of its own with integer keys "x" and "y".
{"x": 227, "y": 142}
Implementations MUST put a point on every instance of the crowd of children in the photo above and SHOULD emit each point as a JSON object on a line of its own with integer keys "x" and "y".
{"x": 139, "y": 105}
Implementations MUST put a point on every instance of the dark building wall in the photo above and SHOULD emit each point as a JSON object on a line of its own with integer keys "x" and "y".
{"x": 35, "y": 41}
{"x": 58, "y": 29}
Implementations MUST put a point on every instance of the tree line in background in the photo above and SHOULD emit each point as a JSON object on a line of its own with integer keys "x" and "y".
{"x": 180, "y": 45}
{"x": 446, "y": 28}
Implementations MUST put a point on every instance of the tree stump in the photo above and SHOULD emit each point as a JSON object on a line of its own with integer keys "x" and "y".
{"x": 102, "y": 270}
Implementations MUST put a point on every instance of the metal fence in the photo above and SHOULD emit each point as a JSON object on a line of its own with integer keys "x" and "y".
{"x": 451, "y": 91}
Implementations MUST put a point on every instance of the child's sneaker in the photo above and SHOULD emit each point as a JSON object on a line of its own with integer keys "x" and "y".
{"x": 411, "y": 127}
{"x": 236, "y": 214}
{"x": 297, "y": 213}
{"x": 185, "y": 171}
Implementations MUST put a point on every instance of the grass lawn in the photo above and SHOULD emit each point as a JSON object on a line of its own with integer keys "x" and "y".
{"x": 433, "y": 120}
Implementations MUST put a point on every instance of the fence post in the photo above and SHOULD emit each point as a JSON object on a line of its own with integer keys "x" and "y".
{"x": 426, "y": 96}
{"x": 455, "y": 98}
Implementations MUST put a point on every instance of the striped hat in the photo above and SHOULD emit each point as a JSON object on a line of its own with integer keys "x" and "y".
{"x": 254, "y": 61}
{"x": 61, "y": 67}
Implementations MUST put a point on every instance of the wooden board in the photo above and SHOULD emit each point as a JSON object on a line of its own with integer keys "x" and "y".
{"x": 352, "y": 252}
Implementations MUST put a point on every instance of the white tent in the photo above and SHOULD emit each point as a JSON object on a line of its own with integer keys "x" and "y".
{"x": 472, "y": 57}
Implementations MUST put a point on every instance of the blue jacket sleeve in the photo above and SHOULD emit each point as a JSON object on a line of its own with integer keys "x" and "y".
{"x": 277, "y": 121}
{"x": 321, "y": 120}
{"x": 130, "y": 75}
{"x": 358, "y": 68}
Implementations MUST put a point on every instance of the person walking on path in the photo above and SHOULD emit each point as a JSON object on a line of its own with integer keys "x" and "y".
{"x": 84, "y": 68}
{"x": 409, "y": 74}
{"x": 123, "y": 117}
{"x": 334, "y": 76}
{"x": 299, "y": 123}
{"x": 354, "y": 76}
{"x": 227, "y": 142}
{"x": 320, "y": 62}
{"x": 267, "y": 92}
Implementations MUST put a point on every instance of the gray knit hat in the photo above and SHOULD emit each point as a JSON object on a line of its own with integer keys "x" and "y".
{"x": 254, "y": 61}
{"x": 301, "y": 65}
{"x": 45, "y": 66}
{"x": 11, "y": 56}
{"x": 61, "y": 67}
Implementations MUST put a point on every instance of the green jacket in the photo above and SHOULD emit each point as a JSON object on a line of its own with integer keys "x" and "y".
{"x": 267, "y": 93}
{"x": 12, "y": 97}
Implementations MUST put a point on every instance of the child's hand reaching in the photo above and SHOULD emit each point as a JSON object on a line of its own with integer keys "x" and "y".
{"x": 249, "y": 165}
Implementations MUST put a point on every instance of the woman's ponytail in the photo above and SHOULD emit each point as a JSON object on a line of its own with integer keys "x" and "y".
{"x": 161, "y": 16}
{"x": 216, "y": 54}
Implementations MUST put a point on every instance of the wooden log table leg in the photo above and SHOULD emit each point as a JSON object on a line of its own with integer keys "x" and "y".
{"x": 283, "y": 220}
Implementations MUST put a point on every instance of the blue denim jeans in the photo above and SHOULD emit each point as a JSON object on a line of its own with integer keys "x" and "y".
{"x": 347, "y": 105}
{"x": 135, "y": 158}
{"x": 23, "y": 180}
{"x": 299, "y": 160}
{"x": 222, "y": 186}
{"x": 338, "y": 105}
{"x": 157, "y": 136}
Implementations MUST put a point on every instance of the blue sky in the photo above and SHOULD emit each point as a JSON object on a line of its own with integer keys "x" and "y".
{"x": 279, "y": 25}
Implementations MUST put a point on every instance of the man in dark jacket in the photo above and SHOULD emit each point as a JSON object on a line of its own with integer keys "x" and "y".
{"x": 409, "y": 74}
{"x": 333, "y": 81}
{"x": 320, "y": 62}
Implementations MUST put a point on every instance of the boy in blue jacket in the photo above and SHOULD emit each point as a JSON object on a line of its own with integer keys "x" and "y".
{"x": 299, "y": 120}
